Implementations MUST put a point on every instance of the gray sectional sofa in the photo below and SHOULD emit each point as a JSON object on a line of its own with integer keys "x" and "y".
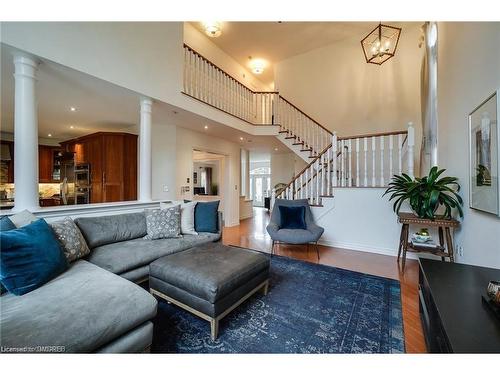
{"x": 96, "y": 305}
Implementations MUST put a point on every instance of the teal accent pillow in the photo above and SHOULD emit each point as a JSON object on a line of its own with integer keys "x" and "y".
{"x": 293, "y": 217}
{"x": 206, "y": 217}
{"x": 30, "y": 257}
{"x": 6, "y": 224}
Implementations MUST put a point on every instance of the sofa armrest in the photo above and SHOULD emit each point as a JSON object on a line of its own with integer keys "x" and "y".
{"x": 220, "y": 222}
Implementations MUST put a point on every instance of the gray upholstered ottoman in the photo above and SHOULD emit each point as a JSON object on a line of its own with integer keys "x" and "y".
{"x": 209, "y": 280}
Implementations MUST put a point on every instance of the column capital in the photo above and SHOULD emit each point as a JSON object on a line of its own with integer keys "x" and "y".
{"x": 146, "y": 104}
{"x": 25, "y": 65}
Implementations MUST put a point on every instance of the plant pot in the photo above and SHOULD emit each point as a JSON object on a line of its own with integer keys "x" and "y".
{"x": 423, "y": 217}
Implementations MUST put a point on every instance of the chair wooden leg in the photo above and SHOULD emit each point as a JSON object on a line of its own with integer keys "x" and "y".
{"x": 272, "y": 248}
{"x": 317, "y": 249}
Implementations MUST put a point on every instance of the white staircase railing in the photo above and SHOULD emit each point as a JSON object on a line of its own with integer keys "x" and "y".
{"x": 358, "y": 161}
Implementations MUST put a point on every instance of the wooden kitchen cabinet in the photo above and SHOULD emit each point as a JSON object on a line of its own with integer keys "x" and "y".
{"x": 113, "y": 164}
{"x": 7, "y": 165}
{"x": 46, "y": 157}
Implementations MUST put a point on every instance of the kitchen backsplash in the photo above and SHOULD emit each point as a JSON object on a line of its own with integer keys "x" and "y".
{"x": 44, "y": 190}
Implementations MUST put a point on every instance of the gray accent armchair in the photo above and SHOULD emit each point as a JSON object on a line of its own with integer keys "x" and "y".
{"x": 309, "y": 235}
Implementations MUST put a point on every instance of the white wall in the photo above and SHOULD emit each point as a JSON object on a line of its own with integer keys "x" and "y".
{"x": 464, "y": 81}
{"x": 229, "y": 189}
{"x": 359, "y": 219}
{"x": 284, "y": 167}
{"x": 336, "y": 86}
{"x": 164, "y": 151}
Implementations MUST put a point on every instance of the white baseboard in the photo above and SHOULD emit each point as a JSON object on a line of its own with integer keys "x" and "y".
{"x": 393, "y": 252}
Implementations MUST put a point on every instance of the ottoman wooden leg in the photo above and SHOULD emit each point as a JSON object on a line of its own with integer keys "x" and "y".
{"x": 214, "y": 328}
{"x": 266, "y": 288}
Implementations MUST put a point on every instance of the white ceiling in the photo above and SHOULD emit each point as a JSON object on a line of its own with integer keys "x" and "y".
{"x": 101, "y": 106}
{"x": 277, "y": 41}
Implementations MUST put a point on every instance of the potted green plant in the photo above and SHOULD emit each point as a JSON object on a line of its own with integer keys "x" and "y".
{"x": 426, "y": 194}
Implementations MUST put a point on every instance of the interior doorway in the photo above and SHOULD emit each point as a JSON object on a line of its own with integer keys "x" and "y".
{"x": 260, "y": 181}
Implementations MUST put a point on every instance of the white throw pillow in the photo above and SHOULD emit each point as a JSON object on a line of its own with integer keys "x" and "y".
{"x": 22, "y": 218}
{"x": 187, "y": 216}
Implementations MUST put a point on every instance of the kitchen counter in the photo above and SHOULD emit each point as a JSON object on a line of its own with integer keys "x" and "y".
{"x": 6, "y": 204}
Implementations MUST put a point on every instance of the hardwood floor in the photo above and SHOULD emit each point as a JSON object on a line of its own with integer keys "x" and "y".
{"x": 251, "y": 233}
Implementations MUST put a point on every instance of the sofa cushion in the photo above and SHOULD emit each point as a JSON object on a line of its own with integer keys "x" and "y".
{"x": 205, "y": 217}
{"x": 163, "y": 223}
{"x": 30, "y": 257}
{"x": 295, "y": 236}
{"x": 83, "y": 309}
{"x": 6, "y": 224}
{"x": 121, "y": 257}
{"x": 22, "y": 218}
{"x": 102, "y": 230}
{"x": 71, "y": 239}
{"x": 187, "y": 216}
{"x": 292, "y": 217}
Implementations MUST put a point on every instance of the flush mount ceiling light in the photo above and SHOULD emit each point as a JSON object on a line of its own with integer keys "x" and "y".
{"x": 257, "y": 65}
{"x": 72, "y": 109}
{"x": 380, "y": 44}
{"x": 212, "y": 29}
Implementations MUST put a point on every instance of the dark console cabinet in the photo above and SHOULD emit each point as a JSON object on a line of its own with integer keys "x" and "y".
{"x": 454, "y": 318}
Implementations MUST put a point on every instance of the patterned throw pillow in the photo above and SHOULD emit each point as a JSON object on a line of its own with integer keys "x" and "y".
{"x": 71, "y": 239}
{"x": 163, "y": 223}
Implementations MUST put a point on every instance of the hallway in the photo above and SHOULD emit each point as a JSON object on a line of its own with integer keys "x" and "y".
{"x": 252, "y": 234}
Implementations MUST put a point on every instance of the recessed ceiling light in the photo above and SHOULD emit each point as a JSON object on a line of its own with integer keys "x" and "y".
{"x": 49, "y": 135}
{"x": 241, "y": 138}
{"x": 72, "y": 109}
{"x": 276, "y": 149}
{"x": 206, "y": 126}
{"x": 71, "y": 127}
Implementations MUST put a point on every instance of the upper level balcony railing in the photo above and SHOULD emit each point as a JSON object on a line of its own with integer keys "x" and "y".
{"x": 206, "y": 82}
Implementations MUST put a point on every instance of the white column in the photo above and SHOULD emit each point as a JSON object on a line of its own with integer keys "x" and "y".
{"x": 25, "y": 134}
{"x": 247, "y": 174}
{"x": 411, "y": 146}
{"x": 145, "y": 193}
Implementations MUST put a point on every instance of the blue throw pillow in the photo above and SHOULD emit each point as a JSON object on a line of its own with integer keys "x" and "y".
{"x": 30, "y": 257}
{"x": 292, "y": 217}
{"x": 205, "y": 217}
{"x": 6, "y": 224}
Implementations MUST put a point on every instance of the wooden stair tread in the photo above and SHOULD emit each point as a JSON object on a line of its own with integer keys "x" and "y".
{"x": 291, "y": 137}
{"x": 297, "y": 143}
{"x": 283, "y": 131}
{"x": 306, "y": 149}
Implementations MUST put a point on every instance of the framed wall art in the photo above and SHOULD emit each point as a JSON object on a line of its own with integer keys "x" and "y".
{"x": 484, "y": 155}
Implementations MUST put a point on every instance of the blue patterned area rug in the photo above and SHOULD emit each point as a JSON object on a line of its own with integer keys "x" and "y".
{"x": 310, "y": 308}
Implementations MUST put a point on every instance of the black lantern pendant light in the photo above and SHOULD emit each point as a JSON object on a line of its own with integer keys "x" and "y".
{"x": 380, "y": 44}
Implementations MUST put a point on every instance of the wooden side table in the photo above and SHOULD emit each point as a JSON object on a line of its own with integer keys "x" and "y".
{"x": 443, "y": 225}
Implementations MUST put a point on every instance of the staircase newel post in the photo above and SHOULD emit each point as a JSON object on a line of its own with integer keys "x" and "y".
{"x": 334, "y": 159}
{"x": 411, "y": 146}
